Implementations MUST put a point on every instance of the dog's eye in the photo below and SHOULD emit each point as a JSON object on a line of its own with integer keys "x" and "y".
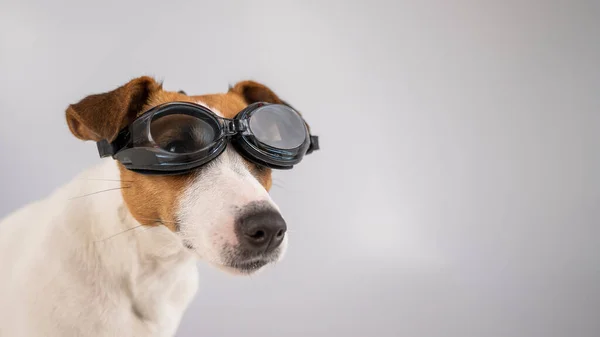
{"x": 182, "y": 133}
{"x": 178, "y": 146}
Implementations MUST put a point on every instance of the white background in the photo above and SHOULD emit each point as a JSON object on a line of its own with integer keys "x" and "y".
{"x": 457, "y": 192}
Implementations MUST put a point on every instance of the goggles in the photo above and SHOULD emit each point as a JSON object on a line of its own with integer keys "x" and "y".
{"x": 177, "y": 137}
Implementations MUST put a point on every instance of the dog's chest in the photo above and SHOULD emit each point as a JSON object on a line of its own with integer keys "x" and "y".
{"x": 160, "y": 294}
{"x": 161, "y": 282}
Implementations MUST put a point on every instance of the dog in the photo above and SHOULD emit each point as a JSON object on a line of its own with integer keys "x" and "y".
{"x": 114, "y": 252}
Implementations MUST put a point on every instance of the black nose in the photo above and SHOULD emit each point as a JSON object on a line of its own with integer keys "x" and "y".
{"x": 261, "y": 231}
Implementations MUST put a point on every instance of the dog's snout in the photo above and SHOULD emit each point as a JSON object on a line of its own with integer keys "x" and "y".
{"x": 261, "y": 231}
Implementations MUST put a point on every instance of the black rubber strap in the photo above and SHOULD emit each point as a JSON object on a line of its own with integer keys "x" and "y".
{"x": 106, "y": 149}
{"x": 314, "y": 144}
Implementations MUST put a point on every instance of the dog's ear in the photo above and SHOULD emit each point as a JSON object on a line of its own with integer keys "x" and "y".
{"x": 253, "y": 92}
{"x": 102, "y": 116}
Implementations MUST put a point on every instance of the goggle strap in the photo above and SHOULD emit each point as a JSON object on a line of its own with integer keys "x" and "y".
{"x": 314, "y": 144}
{"x": 106, "y": 149}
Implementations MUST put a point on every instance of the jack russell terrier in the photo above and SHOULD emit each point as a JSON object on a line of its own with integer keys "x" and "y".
{"x": 114, "y": 252}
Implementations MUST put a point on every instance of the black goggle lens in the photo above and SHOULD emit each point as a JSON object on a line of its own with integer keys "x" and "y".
{"x": 182, "y": 133}
{"x": 278, "y": 126}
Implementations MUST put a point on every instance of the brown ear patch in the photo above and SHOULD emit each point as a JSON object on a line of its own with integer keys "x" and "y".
{"x": 253, "y": 92}
{"x": 102, "y": 116}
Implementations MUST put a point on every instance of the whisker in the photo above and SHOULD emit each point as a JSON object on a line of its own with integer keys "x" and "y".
{"x": 125, "y": 231}
{"x": 158, "y": 220}
{"x": 94, "y": 193}
{"x": 288, "y": 190}
{"x": 116, "y": 180}
{"x": 280, "y": 183}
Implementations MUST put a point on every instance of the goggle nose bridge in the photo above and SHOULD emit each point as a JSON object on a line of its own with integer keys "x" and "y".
{"x": 234, "y": 126}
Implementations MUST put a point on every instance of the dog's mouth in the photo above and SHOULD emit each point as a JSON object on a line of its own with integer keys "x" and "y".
{"x": 237, "y": 260}
{"x": 247, "y": 264}
{"x": 248, "y": 267}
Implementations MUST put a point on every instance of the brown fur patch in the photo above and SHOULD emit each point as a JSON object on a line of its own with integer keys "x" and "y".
{"x": 153, "y": 200}
{"x": 253, "y": 92}
{"x": 228, "y": 104}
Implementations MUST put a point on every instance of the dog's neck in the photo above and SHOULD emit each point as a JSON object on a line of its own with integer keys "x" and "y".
{"x": 149, "y": 265}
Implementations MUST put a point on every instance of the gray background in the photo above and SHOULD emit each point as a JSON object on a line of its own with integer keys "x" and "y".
{"x": 457, "y": 192}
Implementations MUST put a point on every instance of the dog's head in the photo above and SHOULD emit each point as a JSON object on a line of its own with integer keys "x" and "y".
{"x": 222, "y": 210}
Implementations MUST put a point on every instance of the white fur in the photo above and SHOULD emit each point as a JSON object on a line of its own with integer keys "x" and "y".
{"x": 66, "y": 273}
{"x": 209, "y": 206}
